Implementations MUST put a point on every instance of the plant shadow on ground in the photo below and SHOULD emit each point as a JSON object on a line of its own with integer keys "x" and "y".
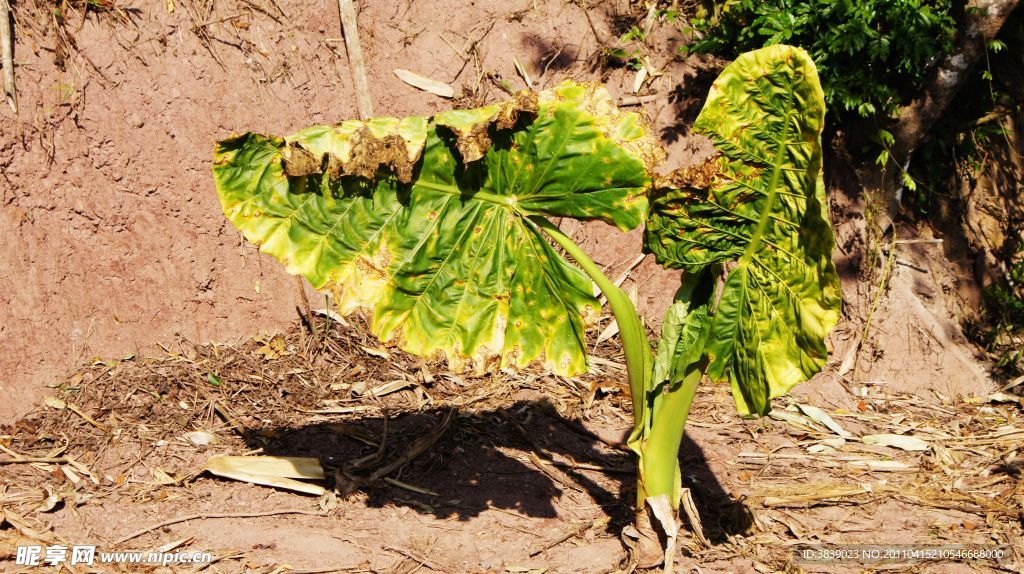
{"x": 547, "y": 55}
{"x": 492, "y": 458}
{"x": 275, "y": 393}
{"x": 687, "y": 99}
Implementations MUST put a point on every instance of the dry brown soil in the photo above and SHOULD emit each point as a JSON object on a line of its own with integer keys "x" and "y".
{"x": 112, "y": 243}
{"x": 527, "y": 474}
{"x": 111, "y": 235}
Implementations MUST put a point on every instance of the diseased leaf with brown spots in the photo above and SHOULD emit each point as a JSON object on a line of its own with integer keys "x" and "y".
{"x": 760, "y": 202}
{"x": 423, "y": 221}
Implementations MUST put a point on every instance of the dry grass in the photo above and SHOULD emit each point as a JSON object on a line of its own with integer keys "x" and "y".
{"x": 258, "y": 388}
{"x": 101, "y": 437}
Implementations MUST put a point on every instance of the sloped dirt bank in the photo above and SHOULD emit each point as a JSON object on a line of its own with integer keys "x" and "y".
{"x": 111, "y": 236}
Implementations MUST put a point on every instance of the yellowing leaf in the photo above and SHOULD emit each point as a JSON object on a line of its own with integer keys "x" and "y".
{"x": 424, "y": 223}
{"x": 759, "y": 202}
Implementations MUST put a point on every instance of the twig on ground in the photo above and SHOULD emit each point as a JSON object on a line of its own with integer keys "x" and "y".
{"x": 503, "y": 85}
{"x": 696, "y": 526}
{"x": 415, "y": 556}
{"x": 418, "y": 447}
{"x": 237, "y": 425}
{"x": 23, "y": 527}
{"x": 305, "y": 312}
{"x": 208, "y": 515}
{"x": 593, "y": 467}
{"x": 880, "y": 290}
{"x": 225, "y": 556}
{"x": 348, "y": 482}
{"x": 7, "y": 49}
{"x": 540, "y": 457}
{"x": 56, "y": 460}
{"x": 578, "y": 428}
{"x": 604, "y": 37}
{"x": 637, "y": 100}
{"x": 568, "y": 536}
{"x": 377, "y": 455}
{"x": 539, "y": 463}
{"x": 217, "y": 20}
{"x": 916, "y": 241}
{"x": 409, "y": 487}
{"x": 350, "y": 29}
{"x": 906, "y": 263}
{"x": 552, "y": 59}
{"x": 329, "y": 569}
{"x": 78, "y": 411}
{"x": 824, "y": 494}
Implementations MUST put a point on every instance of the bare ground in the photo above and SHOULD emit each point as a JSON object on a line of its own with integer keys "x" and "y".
{"x": 112, "y": 242}
{"x": 111, "y": 235}
{"x": 529, "y": 474}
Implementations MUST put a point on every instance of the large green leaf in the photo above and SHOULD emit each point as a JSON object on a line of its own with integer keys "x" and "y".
{"x": 684, "y": 329}
{"x": 424, "y": 221}
{"x": 758, "y": 202}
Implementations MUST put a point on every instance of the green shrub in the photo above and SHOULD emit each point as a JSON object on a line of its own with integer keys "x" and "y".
{"x": 872, "y": 55}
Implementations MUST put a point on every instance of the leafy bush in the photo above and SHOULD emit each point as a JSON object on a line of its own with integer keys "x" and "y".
{"x": 871, "y": 55}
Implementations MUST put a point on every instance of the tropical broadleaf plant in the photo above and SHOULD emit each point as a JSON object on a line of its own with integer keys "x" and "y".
{"x": 438, "y": 228}
{"x": 758, "y": 203}
{"x": 425, "y": 222}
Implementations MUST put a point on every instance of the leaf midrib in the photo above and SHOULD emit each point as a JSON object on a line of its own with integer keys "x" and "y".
{"x": 773, "y": 186}
{"x": 506, "y": 201}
